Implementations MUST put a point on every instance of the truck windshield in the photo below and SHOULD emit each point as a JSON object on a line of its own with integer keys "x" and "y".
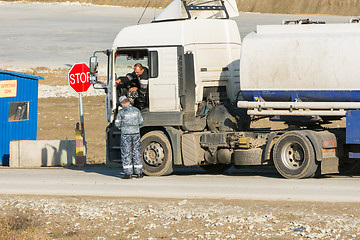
{"x": 126, "y": 59}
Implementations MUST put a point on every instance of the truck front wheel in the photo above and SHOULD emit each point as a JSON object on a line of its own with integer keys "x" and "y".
{"x": 156, "y": 154}
{"x": 294, "y": 156}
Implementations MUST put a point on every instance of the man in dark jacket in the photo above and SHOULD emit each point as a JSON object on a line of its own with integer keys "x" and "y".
{"x": 135, "y": 85}
{"x": 128, "y": 120}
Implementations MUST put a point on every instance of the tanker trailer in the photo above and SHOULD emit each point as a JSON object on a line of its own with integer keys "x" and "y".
{"x": 302, "y": 63}
{"x": 305, "y": 75}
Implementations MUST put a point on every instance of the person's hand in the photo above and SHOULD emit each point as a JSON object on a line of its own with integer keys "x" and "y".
{"x": 133, "y": 89}
{"x": 118, "y": 81}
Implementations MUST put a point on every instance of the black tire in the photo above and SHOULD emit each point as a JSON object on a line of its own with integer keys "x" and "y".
{"x": 216, "y": 168}
{"x": 294, "y": 156}
{"x": 156, "y": 154}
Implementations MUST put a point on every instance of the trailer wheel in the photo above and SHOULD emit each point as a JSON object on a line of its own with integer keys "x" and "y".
{"x": 294, "y": 156}
{"x": 216, "y": 168}
{"x": 156, "y": 154}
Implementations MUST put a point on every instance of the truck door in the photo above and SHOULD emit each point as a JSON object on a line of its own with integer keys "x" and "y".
{"x": 163, "y": 74}
{"x": 163, "y": 88}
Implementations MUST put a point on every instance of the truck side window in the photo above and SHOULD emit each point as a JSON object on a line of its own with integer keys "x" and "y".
{"x": 126, "y": 59}
{"x": 154, "y": 64}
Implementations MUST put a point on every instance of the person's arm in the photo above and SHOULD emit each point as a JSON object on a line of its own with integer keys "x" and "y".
{"x": 118, "y": 120}
{"x": 133, "y": 83}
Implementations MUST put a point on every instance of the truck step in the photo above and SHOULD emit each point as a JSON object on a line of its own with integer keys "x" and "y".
{"x": 116, "y": 147}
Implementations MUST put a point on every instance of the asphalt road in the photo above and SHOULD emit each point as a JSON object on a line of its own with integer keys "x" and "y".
{"x": 256, "y": 184}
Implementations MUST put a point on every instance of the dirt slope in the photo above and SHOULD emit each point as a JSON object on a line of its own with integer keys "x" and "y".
{"x": 331, "y": 7}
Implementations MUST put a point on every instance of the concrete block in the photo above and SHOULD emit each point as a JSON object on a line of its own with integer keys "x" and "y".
{"x": 42, "y": 153}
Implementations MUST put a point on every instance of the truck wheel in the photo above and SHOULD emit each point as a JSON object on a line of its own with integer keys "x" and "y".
{"x": 216, "y": 168}
{"x": 156, "y": 154}
{"x": 294, "y": 156}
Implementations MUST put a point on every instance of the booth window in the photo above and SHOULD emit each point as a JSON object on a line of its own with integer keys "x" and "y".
{"x": 18, "y": 111}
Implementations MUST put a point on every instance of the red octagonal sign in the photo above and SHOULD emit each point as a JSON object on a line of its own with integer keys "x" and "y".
{"x": 78, "y": 77}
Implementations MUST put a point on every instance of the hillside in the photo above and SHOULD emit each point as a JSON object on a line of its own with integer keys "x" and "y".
{"x": 322, "y": 7}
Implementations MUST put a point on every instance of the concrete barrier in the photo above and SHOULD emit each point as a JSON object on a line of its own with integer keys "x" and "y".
{"x": 42, "y": 153}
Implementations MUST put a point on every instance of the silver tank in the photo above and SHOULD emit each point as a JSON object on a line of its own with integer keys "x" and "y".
{"x": 317, "y": 62}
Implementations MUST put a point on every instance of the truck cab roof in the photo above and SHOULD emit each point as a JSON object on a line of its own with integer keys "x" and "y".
{"x": 177, "y": 33}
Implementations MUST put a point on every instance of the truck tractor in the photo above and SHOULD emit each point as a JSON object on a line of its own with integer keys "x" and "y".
{"x": 206, "y": 85}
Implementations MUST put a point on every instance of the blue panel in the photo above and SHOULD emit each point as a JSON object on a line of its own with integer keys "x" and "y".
{"x": 353, "y": 127}
{"x": 306, "y": 96}
{"x": 27, "y": 91}
{"x": 354, "y": 155}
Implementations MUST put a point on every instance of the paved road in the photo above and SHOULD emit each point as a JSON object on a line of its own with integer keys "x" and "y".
{"x": 257, "y": 184}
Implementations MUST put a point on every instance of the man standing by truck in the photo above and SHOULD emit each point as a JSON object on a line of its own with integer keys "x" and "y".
{"x": 128, "y": 121}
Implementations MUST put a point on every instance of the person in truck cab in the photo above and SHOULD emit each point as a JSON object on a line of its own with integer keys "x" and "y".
{"x": 135, "y": 86}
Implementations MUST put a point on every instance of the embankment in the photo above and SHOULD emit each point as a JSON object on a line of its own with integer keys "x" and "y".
{"x": 321, "y": 7}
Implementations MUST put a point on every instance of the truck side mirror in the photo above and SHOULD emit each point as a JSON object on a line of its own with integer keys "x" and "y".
{"x": 93, "y": 69}
{"x": 93, "y": 65}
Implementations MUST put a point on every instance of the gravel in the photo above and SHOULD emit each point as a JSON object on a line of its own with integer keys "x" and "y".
{"x": 113, "y": 218}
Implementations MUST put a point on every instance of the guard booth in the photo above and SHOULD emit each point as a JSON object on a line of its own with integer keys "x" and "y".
{"x": 18, "y": 109}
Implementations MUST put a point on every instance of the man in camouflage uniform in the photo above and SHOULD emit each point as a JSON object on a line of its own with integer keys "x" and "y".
{"x": 128, "y": 121}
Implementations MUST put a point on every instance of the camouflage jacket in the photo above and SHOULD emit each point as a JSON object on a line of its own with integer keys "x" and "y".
{"x": 128, "y": 120}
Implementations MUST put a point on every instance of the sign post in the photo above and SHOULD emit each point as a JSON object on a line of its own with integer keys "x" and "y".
{"x": 78, "y": 80}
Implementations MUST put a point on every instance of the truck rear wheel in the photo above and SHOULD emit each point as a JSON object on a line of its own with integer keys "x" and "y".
{"x": 156, "y": 154}
{"x": 294, "y": 156}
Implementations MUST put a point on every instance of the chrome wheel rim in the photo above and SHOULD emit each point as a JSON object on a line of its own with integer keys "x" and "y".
{"x": 154, "y": 154}
{"x": 293, "y": 155}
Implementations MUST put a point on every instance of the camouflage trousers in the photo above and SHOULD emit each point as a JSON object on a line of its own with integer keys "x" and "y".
{"x": 131, "y": 153}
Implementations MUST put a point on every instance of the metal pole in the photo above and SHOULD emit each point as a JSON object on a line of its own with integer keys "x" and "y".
{"x": 82, "y": 126}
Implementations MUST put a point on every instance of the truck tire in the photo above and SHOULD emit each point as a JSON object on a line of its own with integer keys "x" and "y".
{"x": 156, "y": 154}
{"x": 294, "y": 156}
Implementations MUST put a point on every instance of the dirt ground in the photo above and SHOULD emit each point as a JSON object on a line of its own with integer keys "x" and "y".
{"x": 110, "y": 218}
{"x": 57, "y": 117}
{"x": 324, "y": 7}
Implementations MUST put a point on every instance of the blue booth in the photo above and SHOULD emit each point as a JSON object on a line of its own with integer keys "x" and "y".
{"x": 18, "y": 109}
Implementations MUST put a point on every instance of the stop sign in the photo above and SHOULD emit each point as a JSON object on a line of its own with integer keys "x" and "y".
{"x": 78, "y": 77}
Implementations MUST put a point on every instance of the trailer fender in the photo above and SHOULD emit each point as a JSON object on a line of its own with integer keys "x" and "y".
{"x": 269, "y": 146}
{"x": 315, "y": 140}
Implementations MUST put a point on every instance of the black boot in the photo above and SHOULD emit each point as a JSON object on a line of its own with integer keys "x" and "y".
{"x": 126, "y": 176}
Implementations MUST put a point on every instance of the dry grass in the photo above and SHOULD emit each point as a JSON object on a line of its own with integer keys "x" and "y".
{"x": 20, "y": 226}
